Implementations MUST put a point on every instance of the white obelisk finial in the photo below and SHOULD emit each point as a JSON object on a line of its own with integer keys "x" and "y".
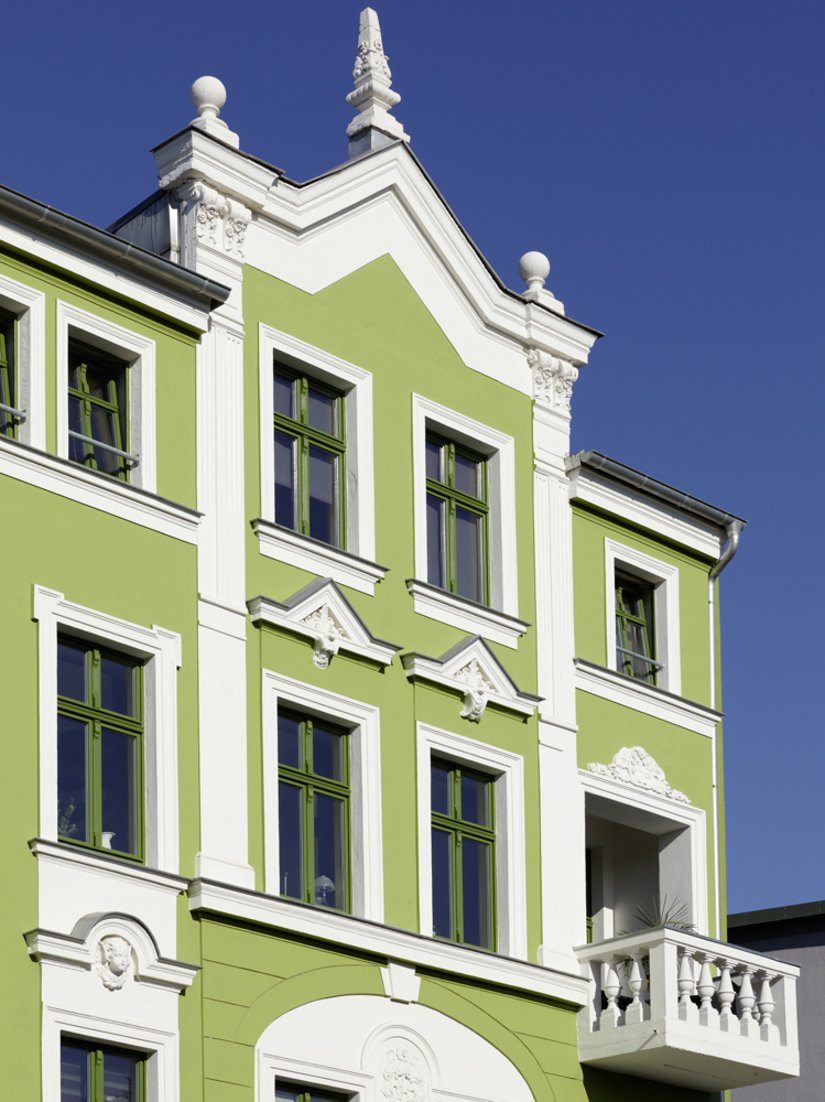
{"x": 374, "y": 126}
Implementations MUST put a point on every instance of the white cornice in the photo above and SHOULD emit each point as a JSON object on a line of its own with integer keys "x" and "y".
{"x": 642, "y": 698}
{"x": 644, "y": 512}
{"x": 447, "y": 608}
{"x": 315, "y": 557}
{"x": 355, "y": 934}
{"x": 65, "y": 853}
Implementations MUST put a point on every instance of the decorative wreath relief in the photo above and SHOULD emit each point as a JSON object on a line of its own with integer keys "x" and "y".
{"x": 114, "y": 959}
{"x": 402, "y": 1078}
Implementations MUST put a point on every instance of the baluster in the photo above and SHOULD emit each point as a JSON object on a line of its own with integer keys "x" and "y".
{"x": 725, "y": 994}
{"x": 688, "y": 1010}
{"x": 708, "y": 1015}
{"x": 745, "y": 1001}
{"x": 767, "y": 1030}
{"x": 610, "y": 1017}
{"x": 635, "y": 982}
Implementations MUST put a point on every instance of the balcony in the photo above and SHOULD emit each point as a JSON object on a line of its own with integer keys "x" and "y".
{"x": 683, "y": 1009}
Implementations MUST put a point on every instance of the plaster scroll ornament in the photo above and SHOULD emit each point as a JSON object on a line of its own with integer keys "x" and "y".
{"x": 553, "y": 379}
{"x": 634, "y": 766}
{"x": 236, "y": 221}
{"x": 208, "y": 207}
{"x": 477, "y": 692}
{"x": 114, "y": 959}
{"x": 402, "y": 1079}
{"x": 328, "y": 635}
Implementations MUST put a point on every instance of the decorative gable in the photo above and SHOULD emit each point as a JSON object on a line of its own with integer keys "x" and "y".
{"x": 321, "y": 612}
{"x": 473, "y": 670}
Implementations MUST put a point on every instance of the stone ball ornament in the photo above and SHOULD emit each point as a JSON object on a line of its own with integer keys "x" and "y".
{"x": 208, "y": 96}
{"x": 534, "y": 268}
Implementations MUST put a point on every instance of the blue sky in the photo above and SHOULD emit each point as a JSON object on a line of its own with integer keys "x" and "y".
{"x": 666, "y": 155}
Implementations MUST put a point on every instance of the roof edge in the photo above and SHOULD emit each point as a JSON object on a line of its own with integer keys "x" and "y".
{"x": 777, "y": 914}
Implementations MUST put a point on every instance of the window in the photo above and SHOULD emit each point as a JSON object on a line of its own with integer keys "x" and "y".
{"x": 98, "y": 403}
{"x": 457, "y": 511}
{"x": 313, "y": 810}
{"x": 309, "y": 456}
{"x": 288, "y": 1093}
{"x": 10, "y": 413}
{"x": 463, "y": 854}
{"x": 99, "y": 748}
{"x": 635, "y": 629}
{"x": 91, "y": 1074}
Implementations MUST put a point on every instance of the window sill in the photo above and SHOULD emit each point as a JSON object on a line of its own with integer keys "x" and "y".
{"x": 498, "y": 627}
{"x": 66, "y": 853}
{"x": 318, "y": 558}
{"x": 98, "y": 491}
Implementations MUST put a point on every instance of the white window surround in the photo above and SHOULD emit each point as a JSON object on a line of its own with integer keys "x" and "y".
{"x": 30, "y": 357}
{"x": 160, "y": 650}
{"x": 139, "y": 353}
{"x": 499, "y": 622}
{"x": 352, "y": 566}
{"x": 511, "y": 873}
{"x": 664, "y": 578}
{"x": 365, "y": 781}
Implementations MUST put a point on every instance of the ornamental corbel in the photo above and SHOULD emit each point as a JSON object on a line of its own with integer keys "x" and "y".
{"x": 553, "y": 379}
{"x": 212, "y": 219}
{"x": 328, "y": 635}
{"x": 236, "y": 220}
{"x": 477, "y": 692}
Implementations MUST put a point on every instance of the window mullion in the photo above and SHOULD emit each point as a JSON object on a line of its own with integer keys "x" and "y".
{"x": 458, "y": 886}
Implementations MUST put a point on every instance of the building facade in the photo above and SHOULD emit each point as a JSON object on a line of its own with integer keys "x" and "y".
{"x": 370, "y": 742}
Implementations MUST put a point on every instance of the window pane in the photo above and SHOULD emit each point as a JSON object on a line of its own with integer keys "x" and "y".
{"x": 120, "y": 1077}
{"x": 323, "y": 495}
{"x": 104, "y": 430}
{"x": 330, "y": 868}
{"x": 117, "y": 685}
{"x": 322, "y": 411}
{"x": 440, "y": 787}
{"x": 286, "y": 1094}
{"x": 98, "y": 382}
{"x": 286, "y": 452}
{"x": 436, "y": 565}
{"x": 435, "y": 460}
{"x": 291, "y": 840}
{"x": 475, "y": 801}
{"x": 72, "y": 779}
{"x": 71, "y": 670}
{"x": 328, "y": 749}
{"x": 283, "y": 394}
{"x": 74, "y": 1073}
{"x": 289, "y": 740}
{"x": 475, "y": 875}
{"x": 468, "y": 474}
{"x": 468, "y": 550}
{"x": 77, "y": 448}
{"x": 443, "y": 921}
{"x": 119, "y": 780}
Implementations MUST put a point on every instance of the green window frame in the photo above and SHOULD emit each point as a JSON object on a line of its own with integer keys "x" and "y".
{"x": 100, "y": 748}
{"x": 11, "y": 416}
{"x": 99, "y": 411}
{"x": 463, "y": 838}
{"x": 309, "y": 426}
{"x": 458, "y": 513}
{"x": 100, "y": 1073}
{"x": 636, "y": 629}
{"x": 288, "y": 1092}
{"x": 314, "y": 797}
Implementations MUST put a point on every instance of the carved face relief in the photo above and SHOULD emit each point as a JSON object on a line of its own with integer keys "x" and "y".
{"x": 114, "y": 959}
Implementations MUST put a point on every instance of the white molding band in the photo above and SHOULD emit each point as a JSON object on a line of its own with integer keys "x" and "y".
{"x": 30, "y": 355}
{"x": 364, "y": 721}
{"x": 315, "y": 557}
{"x": 447, "y": 608}
{"x": 139, "y": 353}
{"x": 160, "y": 649}
{"x": 511, "y": 872}
{"x": 664, "y": 579}
{"x": 356, "y": 385}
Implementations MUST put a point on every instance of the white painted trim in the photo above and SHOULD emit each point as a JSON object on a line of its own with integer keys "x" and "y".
{"x": 681, "y": 815}
{"x": 447, "y": 608}
{"x": 356, "y": 385}
{"x": 635, "y": 507}
{"x": 98, "y": 491}
{"x": 30, "y": 356}
{"x": 365, "y": 771}
{"x": 500, "y": 451}
{"x": 664, "y": 579}
{"x": 65, "y": 853}
{"x": 612, "y": 686}
{"x": 139, "y": 353}
{"x": 161, "y": 651}
{"x": 414, "y": 949}
{"x": 497, "y": 687}
{"x": 511, "y": 871}
{"x": 317, "y": 558}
